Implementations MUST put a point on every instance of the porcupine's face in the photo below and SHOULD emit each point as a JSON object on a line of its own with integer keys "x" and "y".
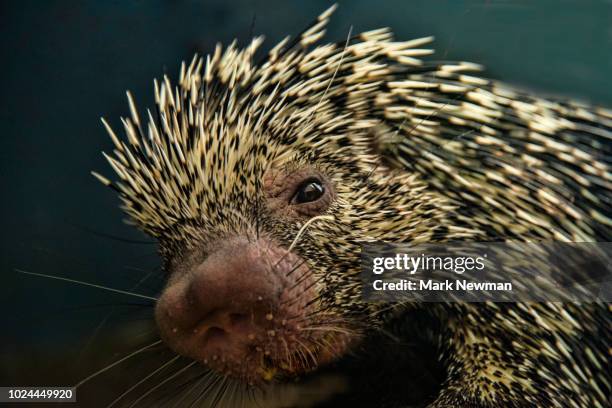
{"x": 260, "y": 183}
{"x": 267, "y": 286}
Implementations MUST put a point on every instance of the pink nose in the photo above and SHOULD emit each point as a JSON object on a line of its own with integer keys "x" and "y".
{"x": 240, "y": 309}
{"x": 232, "y": 298}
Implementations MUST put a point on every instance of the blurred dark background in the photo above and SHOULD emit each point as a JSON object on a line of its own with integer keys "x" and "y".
{"x": 66, "y": 63}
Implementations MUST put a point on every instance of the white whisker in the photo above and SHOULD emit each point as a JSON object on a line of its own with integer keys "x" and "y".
{"x": 187, "y": 394}
{"x": 327, "y": 329}
{"x": 173, "y": 376}
{"x": 310, "y": 221}
{"x": 108, "y": 367}
{"x": 93, "y": 285}
{"x": 172, "y": 360}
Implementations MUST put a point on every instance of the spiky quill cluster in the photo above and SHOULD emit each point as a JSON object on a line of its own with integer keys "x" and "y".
{"x": 419, "y": 151}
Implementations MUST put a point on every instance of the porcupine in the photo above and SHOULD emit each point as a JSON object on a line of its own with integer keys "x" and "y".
{"x": 261, "y": 180}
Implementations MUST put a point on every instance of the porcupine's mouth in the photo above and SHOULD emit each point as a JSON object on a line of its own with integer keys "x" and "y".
{"x": 270, "y": 362}
{"x": 243, "y": 318}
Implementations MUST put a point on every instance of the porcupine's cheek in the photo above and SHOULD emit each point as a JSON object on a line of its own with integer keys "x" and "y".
{"x": 248, "y": 311}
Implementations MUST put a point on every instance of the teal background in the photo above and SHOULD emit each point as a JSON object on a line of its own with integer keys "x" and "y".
{"x": 66, "y": 63}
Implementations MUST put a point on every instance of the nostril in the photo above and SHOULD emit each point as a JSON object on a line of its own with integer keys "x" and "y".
{"x": 214, "y": 334}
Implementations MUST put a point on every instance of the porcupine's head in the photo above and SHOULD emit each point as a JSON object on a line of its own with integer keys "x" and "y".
{"x": 260, "y": 181}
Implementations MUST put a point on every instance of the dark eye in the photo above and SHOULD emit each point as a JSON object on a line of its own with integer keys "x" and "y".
{"x": 309, "y": 191}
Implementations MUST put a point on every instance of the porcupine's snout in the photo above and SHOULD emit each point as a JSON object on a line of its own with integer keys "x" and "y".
{"x": 242, "y": 312}
{"x": 230, "y": 296}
